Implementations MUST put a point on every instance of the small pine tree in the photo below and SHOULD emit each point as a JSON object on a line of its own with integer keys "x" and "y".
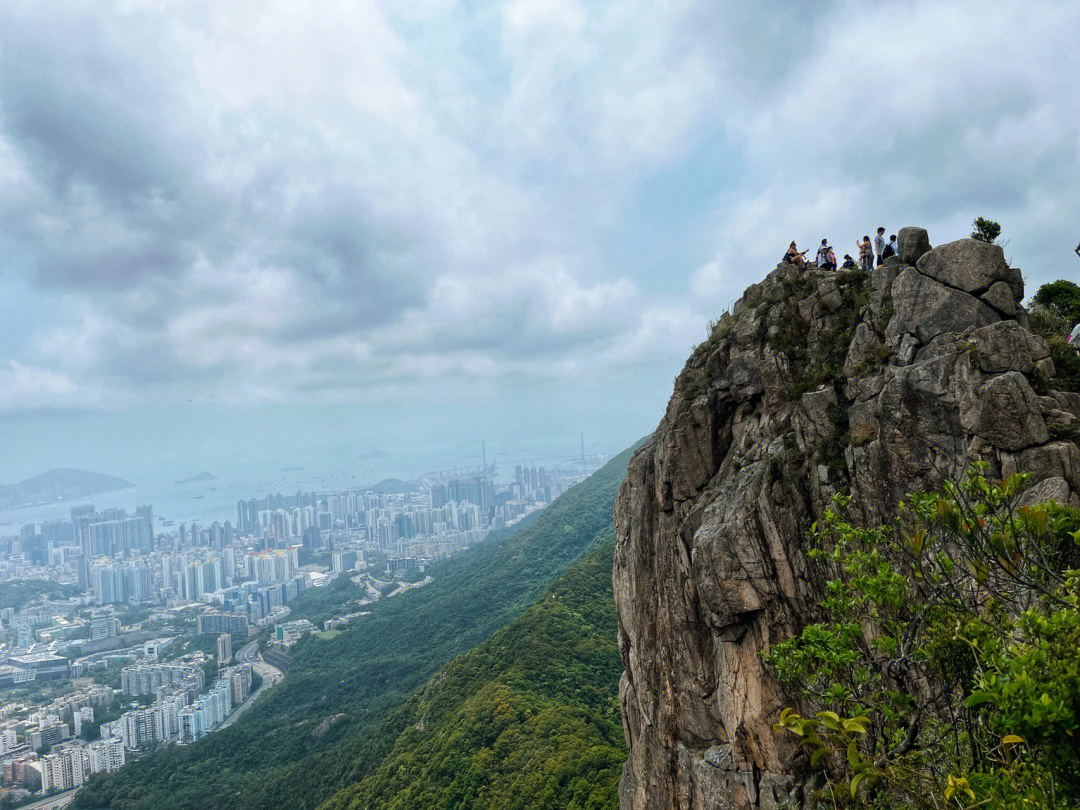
{"x": 986, "y": 230}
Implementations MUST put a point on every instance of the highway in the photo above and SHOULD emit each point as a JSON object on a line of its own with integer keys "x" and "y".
{"x": 57, "y": 801}
{"x": 249, "y": 654}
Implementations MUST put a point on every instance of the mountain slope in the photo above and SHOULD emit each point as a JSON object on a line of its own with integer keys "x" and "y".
{"x": 529, "y": 719}
{"x": 58, "y": 485}
{"x": 319, "y": 730}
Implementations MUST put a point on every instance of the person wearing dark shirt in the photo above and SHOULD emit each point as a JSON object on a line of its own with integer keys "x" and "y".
{"x": 889, "y": 249}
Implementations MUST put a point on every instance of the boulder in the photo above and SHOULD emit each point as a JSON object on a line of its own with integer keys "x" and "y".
{"x": 968, "y": 265}
{"x": 1007, "y": 346}
{"x": 1009, "y": 413}
{"x": 1054, "y": 489}
{"x": 911, "y": 244}
{"x": 927, "y": 308}
{"x": 1000, "y": 297}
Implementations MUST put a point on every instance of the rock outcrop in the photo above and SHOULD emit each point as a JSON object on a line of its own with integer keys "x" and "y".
{"x": 876, "y": 384}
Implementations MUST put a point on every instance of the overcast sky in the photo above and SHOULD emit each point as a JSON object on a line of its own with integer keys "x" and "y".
{"x": 262, "y": 229}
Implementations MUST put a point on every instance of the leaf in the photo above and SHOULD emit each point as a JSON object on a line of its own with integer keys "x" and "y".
{"x": 853, "y": 757}
{"x": 977, "y": 699}
{"x": 831, "y": 720}
{"x": 855, "y": 780}
{"x": 785, "y": 714}
{"x": 817, "y": 755}
{"x": 1011, "y": 739}
{"x": 856, "y": 724}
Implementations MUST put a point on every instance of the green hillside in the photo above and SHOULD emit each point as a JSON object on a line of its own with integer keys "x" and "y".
{"x": 529, "y": 719}
{"x": 325, "y": 727}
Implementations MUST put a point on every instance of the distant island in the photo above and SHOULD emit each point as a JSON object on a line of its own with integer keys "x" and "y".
{"x": 291, "y": 469}
{"x": 203, "y": 476}
{"x": 372, "y": 454}
{"x": 60, "y": 484}
{"x": 392, "y": 486}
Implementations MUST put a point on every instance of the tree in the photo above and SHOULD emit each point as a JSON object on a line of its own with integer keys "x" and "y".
{"x": 986, "y": 230}
{"x": 945, "y": 671}
{"x": 1062, "y": 298}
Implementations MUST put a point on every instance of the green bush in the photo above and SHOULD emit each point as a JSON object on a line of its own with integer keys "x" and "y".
{"x": 1062, "y": 299}
{"x": 986, "y": 230}
{"x": 945, "y": 669}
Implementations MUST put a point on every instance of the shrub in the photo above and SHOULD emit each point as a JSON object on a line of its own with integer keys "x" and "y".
{"x": 1062, "y": 299}
{"x": 986, "y": 230}
{"x": 945, "y": 669}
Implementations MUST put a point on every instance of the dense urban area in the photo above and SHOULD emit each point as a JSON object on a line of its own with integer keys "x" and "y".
{"x": 119, "y": 636}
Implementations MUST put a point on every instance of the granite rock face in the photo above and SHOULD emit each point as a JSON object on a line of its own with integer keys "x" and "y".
{"x": 877, "y": 384}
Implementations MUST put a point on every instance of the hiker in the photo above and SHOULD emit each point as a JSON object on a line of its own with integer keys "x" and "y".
{"x": 794, "y": 256}
{"x": 849, "y": 263}
{"x": 890, "y": 248}
{"x": 866, "y": 253}
{"x": 1076, "y": 249}
{"x": 879, "y": 244}
{"x": 1074, "y": 338}
{"x": 826, "y": 259}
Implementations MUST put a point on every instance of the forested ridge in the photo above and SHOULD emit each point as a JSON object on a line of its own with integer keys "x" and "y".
{"x": 529, "y": 719}
{"x": 336, "y": 716}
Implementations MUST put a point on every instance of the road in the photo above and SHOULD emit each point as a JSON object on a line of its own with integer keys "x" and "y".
{"x": 249, "y": 654}
{"x": 57, "y": 801}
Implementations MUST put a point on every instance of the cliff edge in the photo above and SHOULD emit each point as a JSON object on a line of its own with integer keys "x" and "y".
{"x": 878, "y": 384}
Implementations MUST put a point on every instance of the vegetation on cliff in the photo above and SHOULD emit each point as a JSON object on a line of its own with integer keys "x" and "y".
{"x": 946, "y": 669}
{"x": 529, "y": 719}
{"x": 331, "y": 722}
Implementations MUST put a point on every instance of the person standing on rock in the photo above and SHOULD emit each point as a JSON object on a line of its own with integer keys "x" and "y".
{"x": 890, "y": 249}
{"x": 879, "y": 244}
{"x": 866, "y": 253}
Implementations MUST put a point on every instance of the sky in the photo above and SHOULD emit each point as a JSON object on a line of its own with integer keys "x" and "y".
{"x": 248, "y": 233}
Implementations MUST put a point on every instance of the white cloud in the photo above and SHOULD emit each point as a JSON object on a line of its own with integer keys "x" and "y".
{"x": 24, "y": 388}
{"x": 255, "y": 202}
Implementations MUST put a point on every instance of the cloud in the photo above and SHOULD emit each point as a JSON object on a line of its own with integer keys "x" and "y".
{"x": 24, "y": 388}
{"x": 365, "y": 202}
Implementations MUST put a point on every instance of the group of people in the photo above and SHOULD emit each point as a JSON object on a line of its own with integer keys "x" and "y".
{"x": 867, "y": 251}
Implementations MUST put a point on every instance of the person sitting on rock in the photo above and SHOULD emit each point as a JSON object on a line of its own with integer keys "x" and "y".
{"x": 889, "y": 249}
{"x": 794, "y": 256}
{"x": 849, "y": 263}
{"x": 866, "y": 253}
{"x": 826, "y": 259}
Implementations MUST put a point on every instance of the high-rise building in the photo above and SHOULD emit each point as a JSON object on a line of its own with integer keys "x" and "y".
{"x": 106, "y": 755}
{"x": 82, "y": 718}
{"x": 65, "y": 768}
{"x": 224, "y": 651}
{"x": 102, "y": 623}
{"x": 235, "y": 623}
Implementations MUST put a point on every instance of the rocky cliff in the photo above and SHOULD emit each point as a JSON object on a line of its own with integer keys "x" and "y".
{"x": 877, "y": 384}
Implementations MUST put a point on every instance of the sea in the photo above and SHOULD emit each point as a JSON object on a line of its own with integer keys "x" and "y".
{"x": 176, "y": 500}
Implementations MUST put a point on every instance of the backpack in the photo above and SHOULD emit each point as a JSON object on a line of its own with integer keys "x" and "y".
{"x": 888, "y": 251}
